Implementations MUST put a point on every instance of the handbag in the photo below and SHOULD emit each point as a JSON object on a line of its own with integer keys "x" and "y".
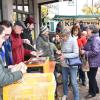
{"x": 74, "y": 61}
{"x": 85, "y": 64}
{"x": 64, "y": 63}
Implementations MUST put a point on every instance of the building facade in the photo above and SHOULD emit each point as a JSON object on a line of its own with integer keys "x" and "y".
{"x": 19, "y": 9}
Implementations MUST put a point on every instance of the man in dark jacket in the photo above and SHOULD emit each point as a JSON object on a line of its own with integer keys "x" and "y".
{"x": 6, "y": 50}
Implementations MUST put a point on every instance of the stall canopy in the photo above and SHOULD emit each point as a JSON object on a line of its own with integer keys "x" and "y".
{"x": 61, "y": 17}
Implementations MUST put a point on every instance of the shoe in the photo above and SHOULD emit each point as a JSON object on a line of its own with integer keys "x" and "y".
{"x": 65, "y": 97}
{"x": 97, "y": 91}
{"x": 83, "y": 83}
{"x": 90, "y": 96}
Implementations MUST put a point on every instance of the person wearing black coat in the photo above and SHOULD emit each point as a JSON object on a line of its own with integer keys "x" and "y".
{"x": 29, "y": 22}
{"x": 27, "y": 34}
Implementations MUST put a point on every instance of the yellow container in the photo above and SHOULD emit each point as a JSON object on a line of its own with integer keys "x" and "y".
{"x": 32, "y": 87}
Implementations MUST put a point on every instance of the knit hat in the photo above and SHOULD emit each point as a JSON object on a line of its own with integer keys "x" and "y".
{"x": 20, "y": 23}
{"x": 44, "y": 29}
{"x": 30, "y": 20}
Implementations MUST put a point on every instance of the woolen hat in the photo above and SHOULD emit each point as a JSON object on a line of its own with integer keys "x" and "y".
{"x": 30, "y": 20}
{"x": 20, "y": 23}
{"x": 44, "y": 29}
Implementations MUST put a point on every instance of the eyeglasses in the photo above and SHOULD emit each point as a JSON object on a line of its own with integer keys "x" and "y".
{"x": 7, "y": 34}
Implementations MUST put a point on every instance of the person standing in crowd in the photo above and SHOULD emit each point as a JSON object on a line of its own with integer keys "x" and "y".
{"x": 59, "y": 27}
{"x": 6, "y": 50}
{"x": 18, "y": 50}
{"x": 29, "y": 22}
{"x": 81, "y": 26}
{"x": 82, "y": 40}
{"x": 92, "y": 51}
{"x": 43, "y": 43}
{"x": 57, "y": 41}
{"x": 76, "y": 33}
{"x": 69, "y": 49}
{"x": 57, "y": 71}
{"x": 6, "y": 75}
{"x": 27, "y": 34}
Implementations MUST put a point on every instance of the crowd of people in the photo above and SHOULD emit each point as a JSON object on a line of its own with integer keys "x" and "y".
{"x": 80, "y": 41}
{"x": 12, "y": 51}
{"x": 16, "y": 46}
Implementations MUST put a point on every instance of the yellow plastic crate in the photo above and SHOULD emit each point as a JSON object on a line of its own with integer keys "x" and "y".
{"x": 32, "y": 87}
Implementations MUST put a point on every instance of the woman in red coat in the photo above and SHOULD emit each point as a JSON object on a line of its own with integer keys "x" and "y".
{"x": 18, "y": 50}
{"x": 82, "y": 40}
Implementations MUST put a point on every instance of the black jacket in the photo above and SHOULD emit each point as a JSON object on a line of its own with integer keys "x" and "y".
{"x": 27, "y": 35}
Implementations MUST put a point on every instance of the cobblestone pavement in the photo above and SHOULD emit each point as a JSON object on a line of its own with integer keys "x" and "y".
{"x": 83, "y": 90}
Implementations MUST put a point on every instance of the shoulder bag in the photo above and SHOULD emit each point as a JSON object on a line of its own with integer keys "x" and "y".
{"x": 74, "y": 61}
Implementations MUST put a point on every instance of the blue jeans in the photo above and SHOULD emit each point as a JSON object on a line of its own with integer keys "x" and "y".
{"x": 73, "y": 75}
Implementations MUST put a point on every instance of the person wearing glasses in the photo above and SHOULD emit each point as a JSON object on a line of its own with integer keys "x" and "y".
{"x": 7, "y": 76}
{"x": 92, "y": 51}
{"x": 18, "y": 50}
{"x": 6, "y": 51}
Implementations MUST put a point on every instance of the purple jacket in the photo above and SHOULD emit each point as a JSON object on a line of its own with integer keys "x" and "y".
{"x": 93, "y": 50}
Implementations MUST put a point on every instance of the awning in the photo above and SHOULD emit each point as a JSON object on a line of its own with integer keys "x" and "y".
{"x": 61, "y": 17}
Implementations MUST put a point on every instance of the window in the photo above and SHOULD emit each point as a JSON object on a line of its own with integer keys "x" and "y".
{"x": 21, "y": 9}
{"x": 20, "y": 5}
{"x": 19, "y": 16}
{"x": 26, "y": 2}
{"x": 0, "y": 14}
{"x": 0, "y": 10}
{"x": 26, "y": 8}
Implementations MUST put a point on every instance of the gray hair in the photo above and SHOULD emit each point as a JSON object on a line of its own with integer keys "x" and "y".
{"x": 66, "y": 31}
{"x": 93, "y": 28}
